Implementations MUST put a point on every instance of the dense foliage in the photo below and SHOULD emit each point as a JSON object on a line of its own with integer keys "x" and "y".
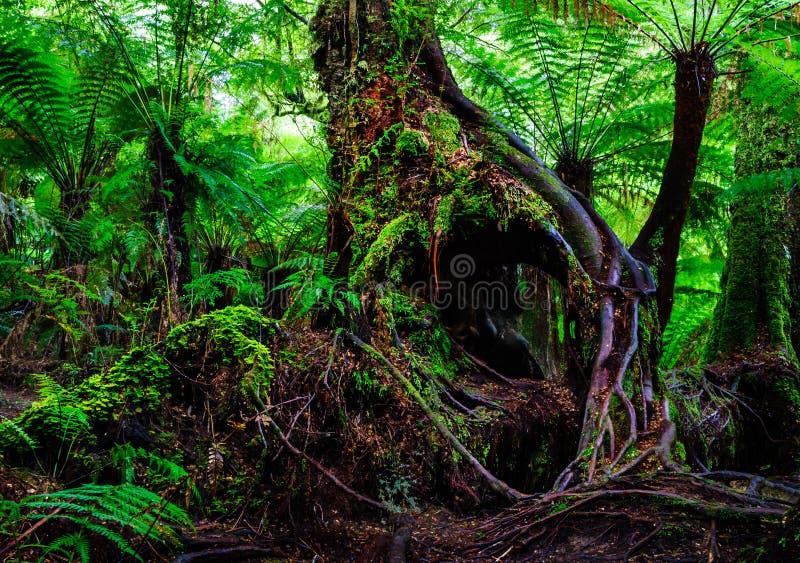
{"x": 167, "y": 196}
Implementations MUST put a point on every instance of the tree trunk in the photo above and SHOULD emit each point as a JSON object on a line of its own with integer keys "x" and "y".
{"x": 433, "y": 192}
{"x": 794, "y": 253}
{"x": 168, "y": 198}
{"x": 659, "y": 240}
{"x": 752, "y": 318}
{"x": 577, "y": 174}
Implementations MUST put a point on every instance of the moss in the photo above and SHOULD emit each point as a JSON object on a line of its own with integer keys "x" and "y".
{"x": 135, "y": 384}
{"x": 755, "y": 302}
{"x": 232, "y": 337}
{"x": 411, "y": 143}
{"x": 529, "y": 207}
{"x": 443, "y": 128}
{"x": 381, "y": 262}
{"x": 464, "y": 206}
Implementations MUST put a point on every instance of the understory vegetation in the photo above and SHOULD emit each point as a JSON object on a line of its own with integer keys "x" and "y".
{"x": 399, "y": 280}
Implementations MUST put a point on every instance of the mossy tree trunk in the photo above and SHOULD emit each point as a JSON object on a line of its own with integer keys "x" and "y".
{"x": 433, "y": 193}
{"x": 753, "y": 313}
{"x": 750, "y": 345}
{"x": 794, "y": 253}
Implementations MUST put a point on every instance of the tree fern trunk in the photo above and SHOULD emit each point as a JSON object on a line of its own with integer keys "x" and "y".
{"x": 659, "y": 240}
{"x": 168, "y": 201}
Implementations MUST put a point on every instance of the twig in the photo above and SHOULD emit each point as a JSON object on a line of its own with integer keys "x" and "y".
{"x": 497, "y": 485}
{"x": 266, "y": 418}
{"x": 641, "y": 543}
{"x": 484, "y": 366}
{"x": 13, "y": 543}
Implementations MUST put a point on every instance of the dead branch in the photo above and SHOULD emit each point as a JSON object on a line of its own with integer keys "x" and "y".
{"x": 497, "y": 485}
{"x": 263, "y": 417}
{"x": 225, "y": 554}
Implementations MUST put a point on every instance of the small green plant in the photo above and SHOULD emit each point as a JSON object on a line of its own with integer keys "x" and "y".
{"x": 208, "y": 288}
{"x": 55, "y": 425}
{"x": 68, "y": 546}
{"x": 58, "y": 297}
{"x": 113, "y": 512}
{"x": 157, "y": 473}
{"x": 395, "y": 492}
{"x": 313, "y": 290}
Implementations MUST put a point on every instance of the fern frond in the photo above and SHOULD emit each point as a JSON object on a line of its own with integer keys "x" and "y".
{"x": 126, "y": 507}
{"x": 68, "y": 546}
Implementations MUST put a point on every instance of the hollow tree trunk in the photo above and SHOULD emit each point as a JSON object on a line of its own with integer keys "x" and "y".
{"x": 431, "y": 187}
{"x": 659, "y": 240}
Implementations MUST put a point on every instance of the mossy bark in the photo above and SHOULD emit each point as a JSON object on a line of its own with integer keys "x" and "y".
{"x": 750, "y": 345}
{"x": 753, "y": 313}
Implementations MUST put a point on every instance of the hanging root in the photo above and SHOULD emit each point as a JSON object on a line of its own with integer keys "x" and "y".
{"x": 497, "y": 485}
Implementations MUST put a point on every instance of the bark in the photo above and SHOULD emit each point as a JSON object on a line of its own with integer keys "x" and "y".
{"x": 753, "y": 313}
{"x": 427, "y": 178}
{"x": 794, "y": 253}
{"x": 753, "y": 318}
{"x": 577, "y": 174}
{"x": 658, "y": 243}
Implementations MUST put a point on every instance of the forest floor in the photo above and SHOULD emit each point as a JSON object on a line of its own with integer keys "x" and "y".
{"x": 341, "y": 409}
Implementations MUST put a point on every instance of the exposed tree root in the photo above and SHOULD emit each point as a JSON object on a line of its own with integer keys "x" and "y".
{"x": 526, "y": 525}
{"x": 262, "y": 418}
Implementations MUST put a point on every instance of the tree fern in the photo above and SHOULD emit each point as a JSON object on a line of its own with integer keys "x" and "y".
{"x": 580, "y": 94}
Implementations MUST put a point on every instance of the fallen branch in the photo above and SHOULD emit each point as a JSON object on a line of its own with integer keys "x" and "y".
{"x": 497, "y": 485}
{"x": 16, "y": 541}
{"x": 397, "y": 551}
{"x": 225, "y": 554}
{"x": 263, "y": 417}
